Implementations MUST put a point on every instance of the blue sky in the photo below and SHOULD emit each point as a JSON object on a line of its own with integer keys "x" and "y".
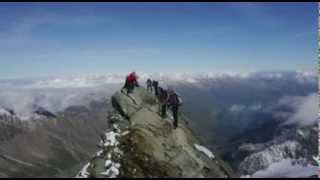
{"x": 45, "y": 39}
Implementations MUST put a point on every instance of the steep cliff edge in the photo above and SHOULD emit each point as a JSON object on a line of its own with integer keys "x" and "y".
{"x": 142, "y": 144}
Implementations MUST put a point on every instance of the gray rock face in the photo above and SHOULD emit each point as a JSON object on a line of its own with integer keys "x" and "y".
{"x": 50, "y": 146}
{"x": 148, "y": 146}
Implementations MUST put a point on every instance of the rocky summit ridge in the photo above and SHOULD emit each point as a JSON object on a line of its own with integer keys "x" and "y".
{"x": 139, "y": 143}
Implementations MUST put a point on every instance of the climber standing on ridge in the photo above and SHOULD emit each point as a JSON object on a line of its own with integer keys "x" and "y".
{"x": 131, "y": 82}
{"x": 174, "y": 101}
{"x": 149, "y": 85}
{"x": 155, "y": 87}
{"x": 163, "y": 99}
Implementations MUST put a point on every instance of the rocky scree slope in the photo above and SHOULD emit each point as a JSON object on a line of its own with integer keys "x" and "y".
{"x": 140, "y": 143}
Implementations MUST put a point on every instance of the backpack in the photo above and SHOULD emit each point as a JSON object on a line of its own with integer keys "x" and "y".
{"x": 163, "y": 94}
{"x": 175, "y": 99}
{"x": 155, "y": 83}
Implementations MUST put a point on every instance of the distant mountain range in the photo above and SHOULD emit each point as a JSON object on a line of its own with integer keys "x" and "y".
{"x": 94, "y": 80}
{"x": 244, "y": 117}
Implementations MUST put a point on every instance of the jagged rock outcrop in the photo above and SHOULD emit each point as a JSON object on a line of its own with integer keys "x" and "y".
{"x": 142, "y": 144}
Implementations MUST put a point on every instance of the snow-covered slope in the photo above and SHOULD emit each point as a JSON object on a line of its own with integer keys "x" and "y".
{"x": 288, "y": 168}
{"x": 293, "y": 151}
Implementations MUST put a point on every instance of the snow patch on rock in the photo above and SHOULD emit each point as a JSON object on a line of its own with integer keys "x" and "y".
{"x": 110, "y": 152}
{"x": 204, "y": 150}
{"x": 112, "y": 169}
{"x": 84, "y": 172}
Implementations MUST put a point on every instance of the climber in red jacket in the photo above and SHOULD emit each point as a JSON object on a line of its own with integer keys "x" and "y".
{"x": 131, "y": 82}
{"x": 132, "y": 78}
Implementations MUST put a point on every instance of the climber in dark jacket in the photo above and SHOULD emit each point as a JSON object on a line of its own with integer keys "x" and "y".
{"x": 131, "y": 82}
{"x": 155, "y": 87}
{"x": 174, "y": 101}
{"x": 163, "y": 99}
{"x": 149, "y": 85}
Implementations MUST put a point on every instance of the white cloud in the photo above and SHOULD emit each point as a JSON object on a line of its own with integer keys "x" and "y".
{"x": 4, "y": 112}
{"x": 55, "y": 94}
{"x": 59, "y": 92}
{"x": 306, "y": 110}
{"x": 237, "y": 108}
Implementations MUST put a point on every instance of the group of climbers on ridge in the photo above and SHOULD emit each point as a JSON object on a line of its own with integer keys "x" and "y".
{"x": 167, "y": 97}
